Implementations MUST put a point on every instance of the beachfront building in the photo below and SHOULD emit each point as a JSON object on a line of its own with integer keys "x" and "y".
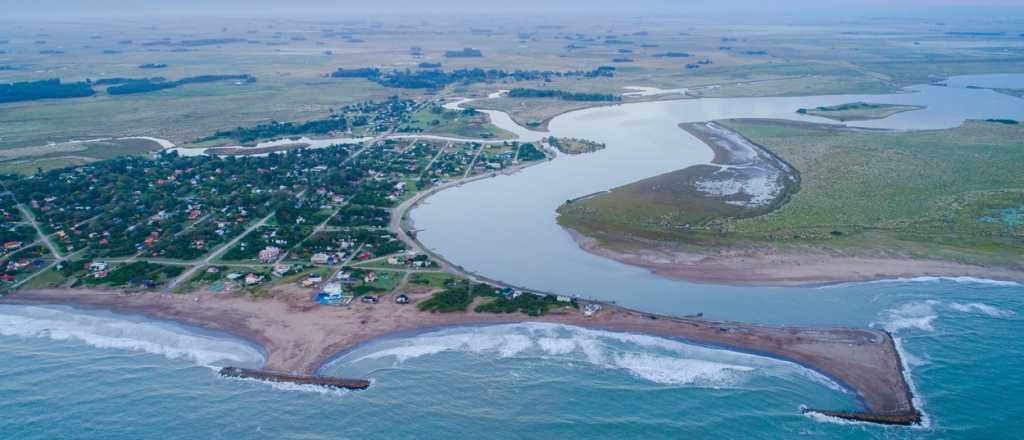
{"x": 332, "y": 294}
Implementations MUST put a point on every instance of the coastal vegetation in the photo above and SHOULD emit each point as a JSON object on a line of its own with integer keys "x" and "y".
{"x": 145, "y": 85}
{"x": 467, "y": 123}
{"x": 437, "y": 78}
{"x": 467, "y": 52}
{"x": 574, "y": 145}
{"x": 561, "y": 94}
{"x": 44, "y": 89}
{"x": 458, "y": 295}
{"x": 526, "y": 303}
{"x": 858, "y": 111}
{"x": 948, "y": 194}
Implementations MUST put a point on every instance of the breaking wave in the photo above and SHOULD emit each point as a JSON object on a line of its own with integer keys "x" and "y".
{"x": 650, "y": 358}
{"x": 294, "y": 387}
{"x": 929, "y": 279}
{"x": 985, "y": 309}
{"x": 921, "y": 315}
{"x": 104, "y": 330}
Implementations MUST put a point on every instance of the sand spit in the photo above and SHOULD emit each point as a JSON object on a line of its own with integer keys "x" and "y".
{"x": 300, "y": 336}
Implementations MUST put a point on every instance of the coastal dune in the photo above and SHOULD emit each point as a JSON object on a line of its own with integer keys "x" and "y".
{"x": 299, "y": 336}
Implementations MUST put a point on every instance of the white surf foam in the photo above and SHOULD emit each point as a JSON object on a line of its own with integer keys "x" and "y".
{"x": 916, "y": 400}
{"x": 929, "y": 279}
{"x": 655, "y": 359}
{"x": 125, "y": 333}
{"x": 822, "y": 418}
{"x": 921, "y": 315}
{"x": 678, "y": 371}
{"x": 294, "y": 387}
{"x": 976, "y": 307}
{"x": 915, "y": 315}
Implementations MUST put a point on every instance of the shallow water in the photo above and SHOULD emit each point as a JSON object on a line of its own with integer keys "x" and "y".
{"x": 71, "y": 374}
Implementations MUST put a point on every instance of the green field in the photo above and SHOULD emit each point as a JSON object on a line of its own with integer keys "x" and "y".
{"x": 858, "y": 111}
{"x": 958, "y": 192}
{"x": 454, "y": 123}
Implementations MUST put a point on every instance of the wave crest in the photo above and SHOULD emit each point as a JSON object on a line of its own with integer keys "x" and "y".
{"x": 104, "y": 330}
{"x": 650, "y": 358}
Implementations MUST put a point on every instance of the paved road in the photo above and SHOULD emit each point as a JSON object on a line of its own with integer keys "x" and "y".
{"x": 45, "y": 238}
{"x": 217, "y": 253}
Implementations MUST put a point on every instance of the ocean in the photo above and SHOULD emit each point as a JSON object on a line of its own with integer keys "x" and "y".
{"x": 76, "y": 374}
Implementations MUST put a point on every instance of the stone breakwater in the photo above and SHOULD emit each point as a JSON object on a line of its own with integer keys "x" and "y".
{"x": 299, "y": 337}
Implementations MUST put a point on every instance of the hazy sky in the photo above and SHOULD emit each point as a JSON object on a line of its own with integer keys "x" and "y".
{"x": 101, "y": 8}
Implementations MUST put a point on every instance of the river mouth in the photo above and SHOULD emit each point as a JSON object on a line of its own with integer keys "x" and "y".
{"x": 504, "y": 228}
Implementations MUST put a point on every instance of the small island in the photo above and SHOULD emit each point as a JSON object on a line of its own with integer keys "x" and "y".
{"x": 858, "y": 111}
{"x": 574, "y": 145}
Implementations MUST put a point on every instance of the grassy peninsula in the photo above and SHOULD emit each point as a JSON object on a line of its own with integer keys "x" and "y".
{"x": 953, "y": 195}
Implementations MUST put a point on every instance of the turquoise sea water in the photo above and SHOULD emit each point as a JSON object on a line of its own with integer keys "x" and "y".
{"x": 74, "y": 374}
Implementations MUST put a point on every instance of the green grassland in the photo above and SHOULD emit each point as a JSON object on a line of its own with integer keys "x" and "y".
{"x": 454, "y": 123}
{"x": 29, "y": 160}
{"x": 858, "y": 111}
{"x": 955, "y": 193}
{"x": 32, "y": 166}
{"x": 852, "y": 56}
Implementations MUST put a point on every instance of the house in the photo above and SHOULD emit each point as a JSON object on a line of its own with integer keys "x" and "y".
{"x": 370, "y": 299}
{"x": 280, "y": 269}
{"x": 194, "y": 214}
{"x": 269, "y": 253}
{"x": 99, "y": 274}
{"x": 309, "y": 282}
{"x": 234, "y": 276}
{"x": 402, "y": 299}
{"x": 319, "y": 258}
{"x": 252, "y": 278}
{"x": 393, "y": 261}
{"x": 212, "y": 269}
{"x": 7, "y": 278}
{"x": 331, "y": 288}
{"x": 370, "y": 277}
{"x": 563, "y": 298}
{"x": 97, "y": 266}
{"x": 12, "y": 245}
{"x": 591, "y": 309}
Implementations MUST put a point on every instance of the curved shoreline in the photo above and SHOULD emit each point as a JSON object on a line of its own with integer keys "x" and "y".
{"x": 762, "y": 265}
{"x": 300, "y": 337}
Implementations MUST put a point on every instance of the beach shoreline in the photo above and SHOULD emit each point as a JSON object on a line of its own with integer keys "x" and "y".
{"x": 766, "y": 267}
{"x": 301, "y": 337}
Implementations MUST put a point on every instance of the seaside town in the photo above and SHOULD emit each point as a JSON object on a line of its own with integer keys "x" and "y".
{"x": 319, "y": 219}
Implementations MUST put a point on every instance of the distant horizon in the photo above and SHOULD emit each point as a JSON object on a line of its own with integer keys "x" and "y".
{"x": 789, "y": 10}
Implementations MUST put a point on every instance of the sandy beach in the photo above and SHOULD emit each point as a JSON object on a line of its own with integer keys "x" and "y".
{"x": 768, "y": 266}
{"x": 300, "y": 336}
